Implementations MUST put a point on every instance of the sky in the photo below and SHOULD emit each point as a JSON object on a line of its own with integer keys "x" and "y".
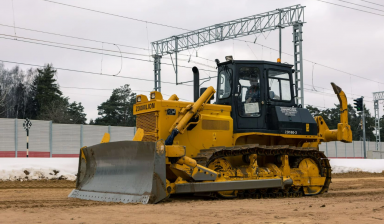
{"x": 349, "y": 41}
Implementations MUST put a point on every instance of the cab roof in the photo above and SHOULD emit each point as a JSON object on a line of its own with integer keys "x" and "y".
{"x": 256, "y": 62}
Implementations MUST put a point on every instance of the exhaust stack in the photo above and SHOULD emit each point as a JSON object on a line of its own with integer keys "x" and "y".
{"x": 196, "y": 83}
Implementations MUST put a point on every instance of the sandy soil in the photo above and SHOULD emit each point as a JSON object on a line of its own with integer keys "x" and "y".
{"x": 353, "y": 198}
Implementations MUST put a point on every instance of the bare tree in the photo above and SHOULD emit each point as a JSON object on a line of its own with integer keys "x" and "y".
{"x": 14, "y": 91}
{"x": 3, "y": 95}
{"x": 56, "y": 112}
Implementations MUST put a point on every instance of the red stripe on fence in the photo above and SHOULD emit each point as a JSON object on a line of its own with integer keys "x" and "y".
{"x": 21, "y": 154}
{"x": 7, "y": 154}
{"x": 33, "y": 154}
{"x": 66, "y": 155}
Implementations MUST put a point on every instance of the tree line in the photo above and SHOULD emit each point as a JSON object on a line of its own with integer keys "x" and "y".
{"x": 35, "y": 94}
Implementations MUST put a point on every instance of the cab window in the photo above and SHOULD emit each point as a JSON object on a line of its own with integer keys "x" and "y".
{"x": 249, "y": 96}
{"x": 225, "y": 79}
{"x": 279, "y": 86}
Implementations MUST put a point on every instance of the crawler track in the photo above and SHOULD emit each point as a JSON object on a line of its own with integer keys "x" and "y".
{"x": 296, "y": 154}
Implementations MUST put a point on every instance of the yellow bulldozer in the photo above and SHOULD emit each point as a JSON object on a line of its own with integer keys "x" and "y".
{"x": 255, "y": 141}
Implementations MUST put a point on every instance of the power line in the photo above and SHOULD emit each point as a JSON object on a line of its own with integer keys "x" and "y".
{"x": 372, "y": 3}
{"x": 110, "y": 90}
{"x": 317, "y": 63}
{"x": 361, "y": 5}
{"x": 328, "y": 94}
{"x": 180, "y": 54}
{"x": 86, "y": 39}
{"x": 87, "y": 72}
{"x": 150, "y": 61}
{"x": 72, "y": 45}
{"x": 72, "y": 37}
{"x": 138, "y": 59}
{"x": 146, "y": 55}
{"x": 72, "y": 87}
{"x": 345, "y": 92}
{"x": 92, "y": 48}
{"x": 350, "y": 8}
{"x": 111, "y": 14}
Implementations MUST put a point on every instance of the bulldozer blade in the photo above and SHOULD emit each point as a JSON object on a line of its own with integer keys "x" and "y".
{"x": 125, "y": 171}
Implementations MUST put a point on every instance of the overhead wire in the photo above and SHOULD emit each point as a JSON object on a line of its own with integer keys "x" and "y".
{"x": 361, "y": 5}
{"x": 93, "y": 48}
{"x": 313, "y": 68}
{"x": 133, "y": 59}
{"x": 329, "y": 94}
{"x": 14, "y": 22}
{"x": 252, "y": 51}
{"x": 351, "y": 8}
{"x": 154, "y": 24}
{"x": 87, "y": 88}
{"x": 85, "y": 39}
{"x": 102, "y": 56}
{"x": 372, "y": 3}
{"x": 317, "y": 63}
{"x": 121, "y": 60}
{"x": 333, "y": 91}
{"x": 73, "y": 45}
{"x": 170, "y": 27}
{"x": 95, "y": 52}
{"x": 72, "y": 37}
{"x": 116, "y": 15}
{"x": 88, "y": 72}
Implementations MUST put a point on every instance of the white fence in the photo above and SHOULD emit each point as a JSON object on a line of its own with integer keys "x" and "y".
{"x": 348, "y": 150}
{"x": 49, "y": 140}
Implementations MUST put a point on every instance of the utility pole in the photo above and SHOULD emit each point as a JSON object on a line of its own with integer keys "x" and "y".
{"x": 279, "y": 60}
{"x": 377, "y": 96}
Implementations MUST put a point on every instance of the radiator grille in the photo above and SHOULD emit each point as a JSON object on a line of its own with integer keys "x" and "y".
{"x": 148, "y": 122}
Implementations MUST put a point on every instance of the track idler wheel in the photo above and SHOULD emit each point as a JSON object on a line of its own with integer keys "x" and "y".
{"x": 310, "y": 169}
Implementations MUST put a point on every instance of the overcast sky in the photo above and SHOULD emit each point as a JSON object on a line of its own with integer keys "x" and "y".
{"x": 337, "y": 37}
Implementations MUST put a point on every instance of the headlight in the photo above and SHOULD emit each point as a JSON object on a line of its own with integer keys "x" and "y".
{"x": 139, "y": 99}
{"x": 152, "y": 95}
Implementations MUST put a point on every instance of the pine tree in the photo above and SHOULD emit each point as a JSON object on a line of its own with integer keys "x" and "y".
{"x": 45, "y": 90}
{"x": 118, "y": 109}
{"x": 76, "y": 113}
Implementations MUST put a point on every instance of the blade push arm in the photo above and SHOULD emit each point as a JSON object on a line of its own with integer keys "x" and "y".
{"x": 187, "y": 113}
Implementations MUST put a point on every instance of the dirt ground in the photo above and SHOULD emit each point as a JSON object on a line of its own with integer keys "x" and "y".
{"x": 352, "y": 198}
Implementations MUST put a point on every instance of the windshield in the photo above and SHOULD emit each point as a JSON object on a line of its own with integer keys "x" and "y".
{"x": 279, "y": 85}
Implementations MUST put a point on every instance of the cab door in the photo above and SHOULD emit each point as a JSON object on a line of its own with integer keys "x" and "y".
{"x": 249, "y": 98}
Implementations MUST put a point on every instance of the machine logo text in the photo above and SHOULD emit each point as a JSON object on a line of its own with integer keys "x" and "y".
{"x": 145, "y": 107}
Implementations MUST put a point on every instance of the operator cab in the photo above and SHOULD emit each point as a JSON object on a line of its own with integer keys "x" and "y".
{"x": 262, "y": 97}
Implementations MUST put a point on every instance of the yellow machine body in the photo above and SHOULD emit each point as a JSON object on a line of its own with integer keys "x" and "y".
{"x": 214, "y": 127}
{"x": 190, "y": 147}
